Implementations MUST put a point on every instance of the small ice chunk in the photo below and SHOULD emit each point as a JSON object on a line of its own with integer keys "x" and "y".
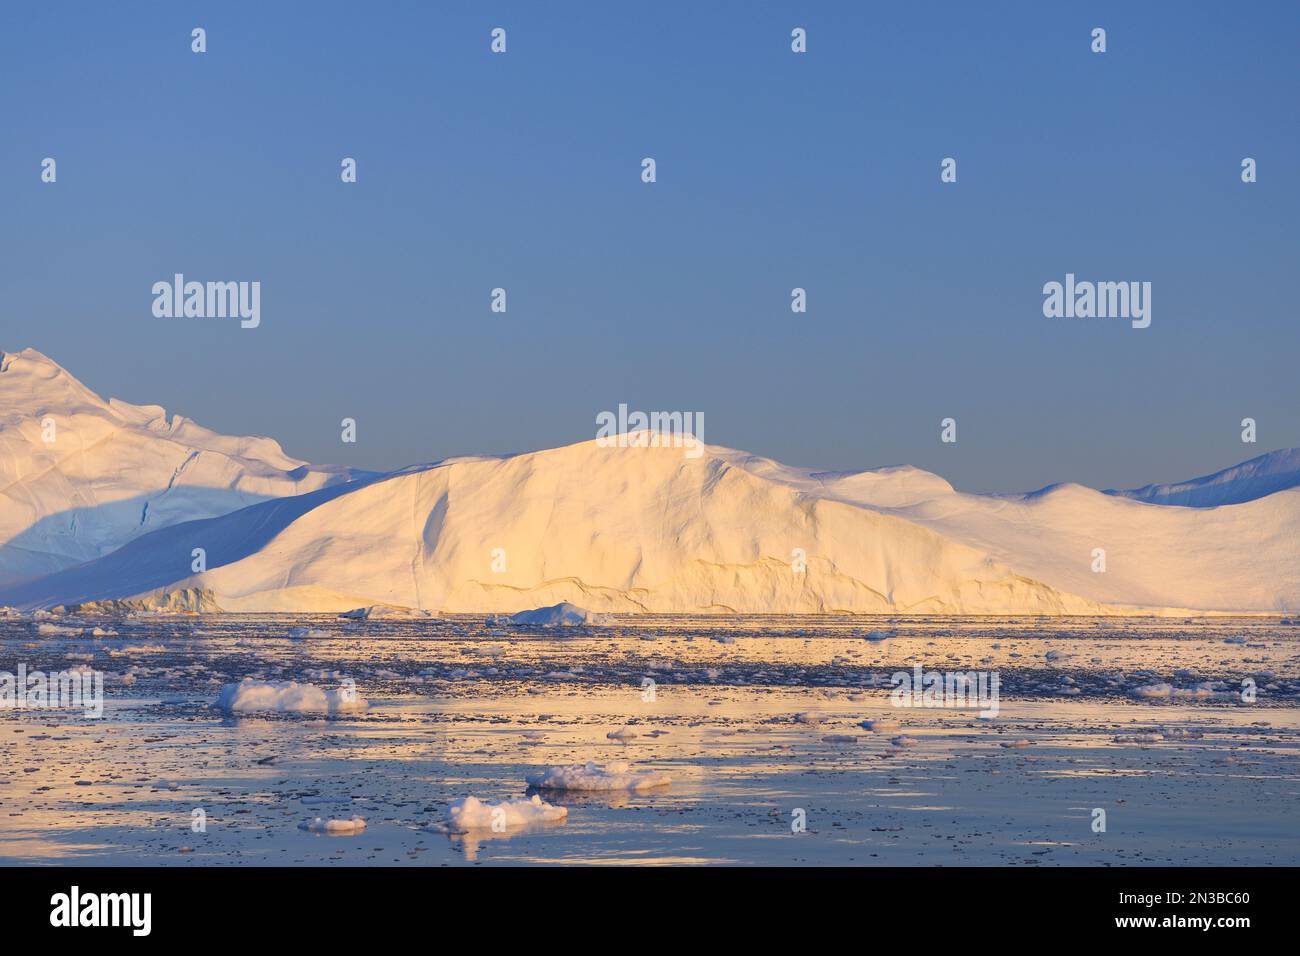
{"x": 254, "y": 696}
{"x": 1165, "y": 691}
{"x": 563, "y": 614}
{"x": 299, "y": 633}
{"x": 616, "y": 775}
{"x": 1139, "y": 738}
{"x": 334, "y": 827}
{"x": 878, "y": 724}
{"x": 471, "y": 813}
{"x": 383, "y": 612}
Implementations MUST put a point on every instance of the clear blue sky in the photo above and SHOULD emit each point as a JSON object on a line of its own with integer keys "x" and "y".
{"x": 775, "y": 170}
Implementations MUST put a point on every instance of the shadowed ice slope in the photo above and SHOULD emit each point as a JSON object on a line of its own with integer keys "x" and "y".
{"x": 1276, "y": 471}
{"x": 81, "y": 476}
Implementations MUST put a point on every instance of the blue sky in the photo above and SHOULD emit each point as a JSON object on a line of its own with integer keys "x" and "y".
{"x": 775, "y": 170}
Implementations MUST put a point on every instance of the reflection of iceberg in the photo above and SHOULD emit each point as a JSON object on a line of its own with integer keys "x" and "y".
{"x": 471, "y": 842}
{"x": 602, "y": 799}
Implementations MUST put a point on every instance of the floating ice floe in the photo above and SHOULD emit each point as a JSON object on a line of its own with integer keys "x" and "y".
{"x": 1138, "y": 738}
{"x": 623, "y": 733}
{"x": 839, "y": 739}
{"x": 1182, "y": 733}
{"x": 386, "y": 612}
{"x": 1015, "y": 744}
{"x": 299, "y": 633}
{"x": 904, "y": 741}
{"x": 471, "y": 813}
{"x": 879, "y": 635}
{"x": 57, "y": 630}
{"x": 591, "y": 776}
{"x": 1167, "y": 691}
{"x": 878, "y": 724}
{"x": 334, "y": 827}
{"x": 563, "y": 614}
{"x": 254, "y": 696}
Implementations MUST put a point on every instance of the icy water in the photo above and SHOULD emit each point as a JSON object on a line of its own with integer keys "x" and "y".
{"x": 755, "y": 719}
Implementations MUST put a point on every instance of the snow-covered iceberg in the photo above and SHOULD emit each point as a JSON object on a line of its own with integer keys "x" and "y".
{"x": 607, "y": 528}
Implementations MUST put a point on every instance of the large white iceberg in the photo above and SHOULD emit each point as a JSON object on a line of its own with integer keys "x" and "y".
{"x": 628, "y": 529}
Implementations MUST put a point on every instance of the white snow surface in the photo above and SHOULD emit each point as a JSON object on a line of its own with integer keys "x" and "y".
{"x": 625, "y": 529}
